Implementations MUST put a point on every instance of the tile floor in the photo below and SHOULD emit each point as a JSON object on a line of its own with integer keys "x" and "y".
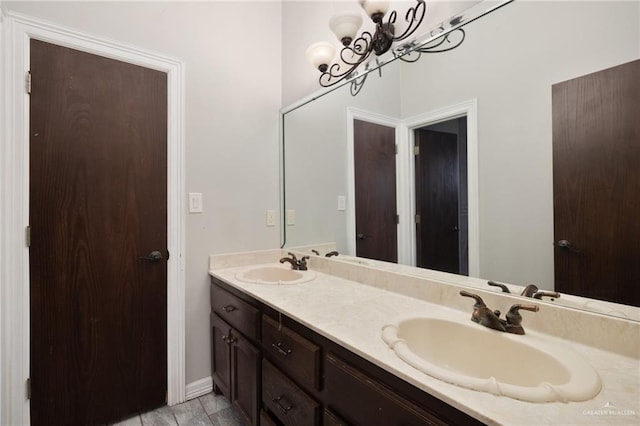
{"x": 207, "y": 410}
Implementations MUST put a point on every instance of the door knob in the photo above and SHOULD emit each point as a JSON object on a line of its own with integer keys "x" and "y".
{"x": 361, "y": 236}
{"x": 564, "y": 244}
{"x": 154, "y": 256}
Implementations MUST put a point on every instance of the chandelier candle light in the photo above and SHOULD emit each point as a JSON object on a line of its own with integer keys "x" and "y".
{"x": 356, "y": 50}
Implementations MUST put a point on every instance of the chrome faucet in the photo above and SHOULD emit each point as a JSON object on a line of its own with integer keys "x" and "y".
{"x": 491, "y": 319}
{"x": 297, "y": 265}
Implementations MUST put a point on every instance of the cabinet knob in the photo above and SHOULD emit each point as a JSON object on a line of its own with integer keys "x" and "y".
{"x": 280, "y": 350}
{"x": 284, "y": 405}
{"x": 229, "y": 308}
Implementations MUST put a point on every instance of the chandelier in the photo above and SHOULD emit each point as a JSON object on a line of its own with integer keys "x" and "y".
{"x": 356, "y": 50}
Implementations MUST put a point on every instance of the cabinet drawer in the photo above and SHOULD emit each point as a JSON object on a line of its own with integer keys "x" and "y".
{"x": 361, "y": 400}
{"x": 239, "y": 314}
{"x": 286, "y": 400}
{"x": 292, "y": 353}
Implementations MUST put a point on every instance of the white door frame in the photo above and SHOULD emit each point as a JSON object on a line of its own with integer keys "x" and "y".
{"x": 17, "y": 31}
{"x": 470, "y": 110}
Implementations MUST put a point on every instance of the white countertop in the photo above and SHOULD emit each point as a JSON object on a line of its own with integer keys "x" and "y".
{"x": 353, "y": 314}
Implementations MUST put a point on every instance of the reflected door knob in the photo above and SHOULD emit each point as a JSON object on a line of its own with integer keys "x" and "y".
{"x": 154, "y": 256}
{"x": 361, "y": 236}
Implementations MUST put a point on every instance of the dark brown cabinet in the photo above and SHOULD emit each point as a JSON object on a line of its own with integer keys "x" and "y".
{"x": 276, "y": 371}
{"x": 292, "y": 353}
{"x": 290, "y": 404}
{"x": 236, "y": 369}
{"x": 362, "y": 400}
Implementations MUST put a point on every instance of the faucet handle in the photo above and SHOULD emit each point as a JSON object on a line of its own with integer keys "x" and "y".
{"x": 540, "y": 293}
{"x": 514, "y": 319}
{"x": 479, "y": 302}
{"x": 293, "y": 256}
{"x": 504, "y": 288}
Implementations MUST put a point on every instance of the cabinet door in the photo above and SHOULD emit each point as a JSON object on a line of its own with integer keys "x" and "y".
{"x": 245, "y": 373}
{"x": 361, "y": 400}
{"x": 220, "y": 355}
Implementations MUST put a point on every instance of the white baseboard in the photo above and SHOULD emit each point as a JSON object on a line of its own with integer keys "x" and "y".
{"x": 199, "y": 388}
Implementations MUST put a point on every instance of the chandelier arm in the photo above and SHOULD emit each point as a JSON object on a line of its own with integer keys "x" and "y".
{"x": 434, "y": 48}
{"x": 333, "y": 75}
{"x": 408, "y": 56}
{"x": 414, "y": 16}
{"x": 357, "y": 84}
{"x": 359, "y": 49}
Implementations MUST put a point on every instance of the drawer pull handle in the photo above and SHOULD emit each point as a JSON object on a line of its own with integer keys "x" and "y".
{"x": 284, "y": 405}
{"x": 228, "y": 339}
{"x": 281, "y": 351}
{"x": 229, "y": 308}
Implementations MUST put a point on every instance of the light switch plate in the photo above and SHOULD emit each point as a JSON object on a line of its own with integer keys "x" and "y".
{"x": 291, "y": 217}
{"x": 342, "y": 202}
{"x": 195, "y": 202}
{"x": 271, "y": 218}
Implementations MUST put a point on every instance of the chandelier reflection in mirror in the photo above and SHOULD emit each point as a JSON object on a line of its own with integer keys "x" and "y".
{"x": 356, "y": 51}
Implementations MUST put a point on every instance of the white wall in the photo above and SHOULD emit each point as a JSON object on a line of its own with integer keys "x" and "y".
{"x": 231, "y": 52}
{"x": 316, "y": 141}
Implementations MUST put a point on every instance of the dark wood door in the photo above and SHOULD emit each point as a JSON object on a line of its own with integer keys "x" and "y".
{"x": 375, "y": 187}
{"x": 596, "y": 184}
{"x": 437, "y": 201}
{"x": 220, "y": 356}
{"x": 98, "y": 203}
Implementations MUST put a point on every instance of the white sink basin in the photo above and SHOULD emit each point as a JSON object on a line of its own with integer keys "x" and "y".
{"x": 526, "y": 367}
{"x": 274, "y": 274}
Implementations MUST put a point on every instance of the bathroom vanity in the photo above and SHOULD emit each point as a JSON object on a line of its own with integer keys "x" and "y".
{"x": 312, "y": 352}
{"x": 274, "y": 368}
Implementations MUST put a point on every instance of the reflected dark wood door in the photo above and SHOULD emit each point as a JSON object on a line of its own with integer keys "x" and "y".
{"x": 375, "y": 187}
{"x": 98, "y": 203}
{"x": 437, "y": 201}
{"x": 596, "y": 184}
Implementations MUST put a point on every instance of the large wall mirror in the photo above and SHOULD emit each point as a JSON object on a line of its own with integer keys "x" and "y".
{"x": 498, "y": 86}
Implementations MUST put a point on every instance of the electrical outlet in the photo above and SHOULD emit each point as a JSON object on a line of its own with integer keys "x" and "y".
{"x": 195, "y": 202}
{"x": 291, "y": 217}
{"x": 271, "y": 218}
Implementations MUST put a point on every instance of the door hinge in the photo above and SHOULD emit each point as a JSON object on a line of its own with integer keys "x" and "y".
{"x": 417, "y": 219}
{"x": 28, "y": 82}
{"x": 397, "y": 219}
{"x": 396, "y": 149}
{"x": 416, "y": 150}
{"x": 28, "y": 387}
{"x": 28, "y": 235}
